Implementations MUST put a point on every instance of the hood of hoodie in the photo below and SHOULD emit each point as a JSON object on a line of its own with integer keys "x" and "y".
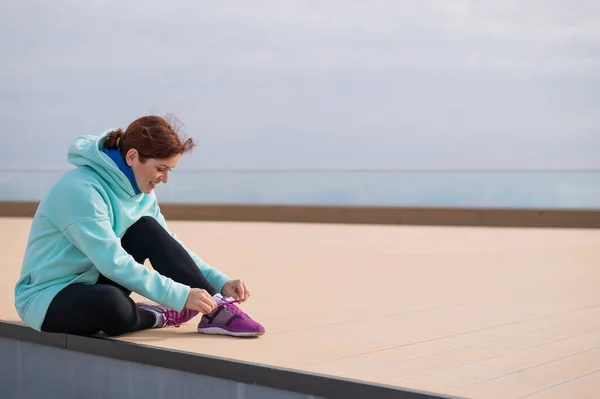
{"x": 86, "y": 151}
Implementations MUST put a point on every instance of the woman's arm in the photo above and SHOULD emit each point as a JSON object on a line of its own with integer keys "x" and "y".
{"x": 84, "y": 219}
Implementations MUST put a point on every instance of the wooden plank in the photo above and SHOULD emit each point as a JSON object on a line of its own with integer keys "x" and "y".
{"x": 470, "y": 378}
{"x": 423, "y": 358}
{"x": 425, "y": 307}
{"x": 524, "y": 382}
{"x": 586, "y": 386}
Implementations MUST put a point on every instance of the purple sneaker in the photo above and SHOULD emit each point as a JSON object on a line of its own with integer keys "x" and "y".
{"x": 168, "y": 317}
{"x": 228, "y": 319}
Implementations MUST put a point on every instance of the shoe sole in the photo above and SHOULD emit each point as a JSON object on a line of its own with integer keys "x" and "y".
{"x": 221, "y": 331}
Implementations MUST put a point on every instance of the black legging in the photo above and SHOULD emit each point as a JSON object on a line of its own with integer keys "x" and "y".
{"x": 85, "y": 309}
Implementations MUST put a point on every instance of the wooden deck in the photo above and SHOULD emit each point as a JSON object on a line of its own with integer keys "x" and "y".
{"x": 470, "y": 312}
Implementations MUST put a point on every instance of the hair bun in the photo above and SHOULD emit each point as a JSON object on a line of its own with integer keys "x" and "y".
{"x": 113, "y": 139}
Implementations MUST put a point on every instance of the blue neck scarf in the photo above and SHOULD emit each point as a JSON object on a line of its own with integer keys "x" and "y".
{"x": 115, "y": 155}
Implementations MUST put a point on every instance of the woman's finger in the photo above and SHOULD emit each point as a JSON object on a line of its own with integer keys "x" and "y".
{"x": 207, "y": 308}
{"x": 239, "y": 289}
{"x": 246, "y": 291}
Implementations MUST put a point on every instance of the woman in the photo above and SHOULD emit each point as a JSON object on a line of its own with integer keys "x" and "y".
{"x": 95, "y": 229}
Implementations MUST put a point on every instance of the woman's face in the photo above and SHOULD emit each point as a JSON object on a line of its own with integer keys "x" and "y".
{"x": 154, "y": 171}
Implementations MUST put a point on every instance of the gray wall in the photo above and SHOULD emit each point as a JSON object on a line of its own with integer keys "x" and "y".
{"x": 30, "y": 370}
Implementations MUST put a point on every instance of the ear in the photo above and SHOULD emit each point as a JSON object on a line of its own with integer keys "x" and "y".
{"x": 131, "y": 156}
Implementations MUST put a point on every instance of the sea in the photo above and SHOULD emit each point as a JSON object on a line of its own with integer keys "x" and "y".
{"x": 551, "y": 189}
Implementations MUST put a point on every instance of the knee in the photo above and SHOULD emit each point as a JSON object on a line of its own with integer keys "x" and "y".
{"x": 146, "y": 223}
{"x": 119, "y": 312}
{"x": 146, "y": 226}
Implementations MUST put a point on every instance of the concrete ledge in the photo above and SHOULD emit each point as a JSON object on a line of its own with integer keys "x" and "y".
{"x": 583, "y": 218}
{"x": 20, "y": 332}
{"x": 224, "y": 369}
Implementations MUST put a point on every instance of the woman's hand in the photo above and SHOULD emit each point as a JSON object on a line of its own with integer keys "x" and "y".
{"x": 200, "y": 300}
{"x": 236, "y": 289}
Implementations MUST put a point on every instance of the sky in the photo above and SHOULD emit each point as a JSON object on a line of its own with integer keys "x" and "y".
{"x": 383, "y": 84}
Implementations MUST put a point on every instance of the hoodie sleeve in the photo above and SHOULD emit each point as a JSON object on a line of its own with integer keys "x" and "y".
{"x": 214, "y": 276}
{"x": 85, "y": 221}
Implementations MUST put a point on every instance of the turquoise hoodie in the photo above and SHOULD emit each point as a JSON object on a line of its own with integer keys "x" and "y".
{"x": 76, "y": 231}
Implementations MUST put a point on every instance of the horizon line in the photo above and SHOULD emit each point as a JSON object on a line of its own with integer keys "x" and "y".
{"x": 345, "y": 170}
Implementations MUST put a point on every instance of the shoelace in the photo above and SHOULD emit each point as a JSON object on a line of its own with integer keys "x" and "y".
{"x": 171, "y": 318}
{"x": 230, "y": 305}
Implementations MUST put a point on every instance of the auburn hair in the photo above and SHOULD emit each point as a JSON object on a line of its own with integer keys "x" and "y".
{"x": 152, "y": 137}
